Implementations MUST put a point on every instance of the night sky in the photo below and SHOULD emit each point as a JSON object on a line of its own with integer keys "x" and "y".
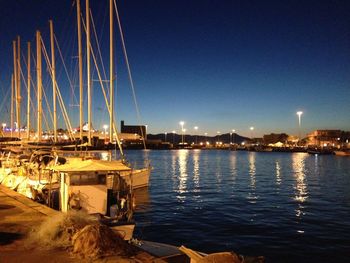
{"x": 218, "y": 65}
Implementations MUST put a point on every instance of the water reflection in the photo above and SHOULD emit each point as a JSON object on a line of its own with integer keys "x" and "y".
{"x": 218, "y": 172}
{"x": 196, "y": 155}
{"x": 183, "y": 176}
{"x": 252, "y": 170}
{"x": 142, "y": 200}
{"x": 278, "y": 173}
{"x": 301, "y": 193}
{"x": 252, "y": 174}
{"x": 233, "y": 162}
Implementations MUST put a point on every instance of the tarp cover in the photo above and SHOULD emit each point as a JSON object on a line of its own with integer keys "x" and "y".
{"x": 79, "y": 165}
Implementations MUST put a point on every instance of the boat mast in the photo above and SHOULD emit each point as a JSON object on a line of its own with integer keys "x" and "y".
{"x": 12, "y": 99}
{"x": 28, "y": 90}
{"x": 14, "y": 84}
{"x": 39, "y": 83}
{"x": 111, "y": 69}
{"x": 18, "y": 104}
{"x": 80, "y": 71}
{"x": 53, "y": 69}
{"x": 87, "y": 14}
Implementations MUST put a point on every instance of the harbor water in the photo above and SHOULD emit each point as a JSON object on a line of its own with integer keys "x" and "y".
{"x": 288, "y": 207}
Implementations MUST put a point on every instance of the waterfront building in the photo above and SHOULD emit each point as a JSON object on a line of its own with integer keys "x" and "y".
{"x": 273, "y": 138}
{"x": 324, "y": 138}
{"x": 134, "y": 129}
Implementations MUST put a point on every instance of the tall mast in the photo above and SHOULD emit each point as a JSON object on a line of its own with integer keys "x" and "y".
{"x": 80, "y": 71}
{"x": 39, "y": 83}
{"x": 87, "y": 14}
{"x": 18, "y": 109}
{"x": 12, "y": 99}
{"x": 111, "y": 69}
{"x": 53, "y": 69}
{"x": 14, "y": 84}
{"x": 28, "y": 90}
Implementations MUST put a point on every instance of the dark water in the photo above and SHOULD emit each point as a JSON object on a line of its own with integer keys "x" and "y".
{"x": 289, "y": 207}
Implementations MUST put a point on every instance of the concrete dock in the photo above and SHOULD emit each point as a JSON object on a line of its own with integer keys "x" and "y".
{"x": 19, "y": 216}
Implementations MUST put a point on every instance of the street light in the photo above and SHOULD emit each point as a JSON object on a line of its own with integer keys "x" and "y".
{"x": 165, "y": 133}
{"x": 218, "y": 132}
{"x": 299, "y": 113}
{"x": 233, "y": 132}
{"x": 105, "y": 127}
{"x": 182, "y": 130}
{"x": 183, "y": 136}
{"x": 251, "y": 132}
{"x": 196, "y": 129}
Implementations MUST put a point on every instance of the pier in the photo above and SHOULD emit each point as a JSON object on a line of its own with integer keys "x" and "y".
{"x": 19, "y": 216}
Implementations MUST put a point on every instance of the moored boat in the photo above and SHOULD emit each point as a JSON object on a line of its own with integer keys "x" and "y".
{"x": 97, "y": 188}
{"x": 342, "y": 153}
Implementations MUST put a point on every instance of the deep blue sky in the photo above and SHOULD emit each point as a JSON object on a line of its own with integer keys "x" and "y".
{"x": 218, "y": 65}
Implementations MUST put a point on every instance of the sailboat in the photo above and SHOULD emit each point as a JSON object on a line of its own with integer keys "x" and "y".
{"x": 102, "y": 188}
{"x": 139, "y": 177}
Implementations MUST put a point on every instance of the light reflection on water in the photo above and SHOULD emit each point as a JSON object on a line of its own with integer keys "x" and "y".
{"x": 301, "y": 193}
{"x": 183, "y": 174}
{"x": 278, "y": 173}
{"x": 253, "y": 203}
{"x": 252, "y": 174}
{"x": 196, "y": 170}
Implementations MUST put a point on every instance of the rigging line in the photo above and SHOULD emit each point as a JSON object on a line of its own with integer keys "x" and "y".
{"x": 24, "y": 81}
{"x": 5, "y": 99}
{"x": 129, "y": 71}
{"x": 49, "y": 65}
{"x": 98, "y": 45}
{"x": 65, "y": 68}
{"x": 26, "y": 86}
{"x": 104, "y": 93}
{"x": 67, "y": 122}
{"x": 97, "y": 70}
{"x": 34, "y": 88}
{"x": 32, "y": 83}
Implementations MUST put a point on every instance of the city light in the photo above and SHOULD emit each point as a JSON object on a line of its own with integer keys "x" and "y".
{"x": 299, "y": 113}
{"x": 182, "y": 123}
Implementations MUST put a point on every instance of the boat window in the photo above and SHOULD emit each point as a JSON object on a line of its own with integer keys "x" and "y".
{"x": 87, "y": 179}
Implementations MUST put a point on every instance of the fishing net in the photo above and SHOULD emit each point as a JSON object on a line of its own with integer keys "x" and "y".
{"x": 58, "y": 231}
{"x": 95, "y": 241}
{"x": 81, "y": 234}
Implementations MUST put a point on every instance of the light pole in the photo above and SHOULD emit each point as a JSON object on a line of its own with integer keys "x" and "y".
{"x": 183, "y": 136}
{"x": 233, "y": 132}
{"x": 218, "y": 132}
{"x": 105, "y": 127}
{"x": 205, "y": 138}
{"x": 251, "y": 132}
{"x": 196, "y": 129}
{"x": 182, "y": 131}
{"x": 174, "y": 136}
{"x": 165, "y": 133}
{"x": 230, "y": 138}
{"x": 299, "y": 113}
